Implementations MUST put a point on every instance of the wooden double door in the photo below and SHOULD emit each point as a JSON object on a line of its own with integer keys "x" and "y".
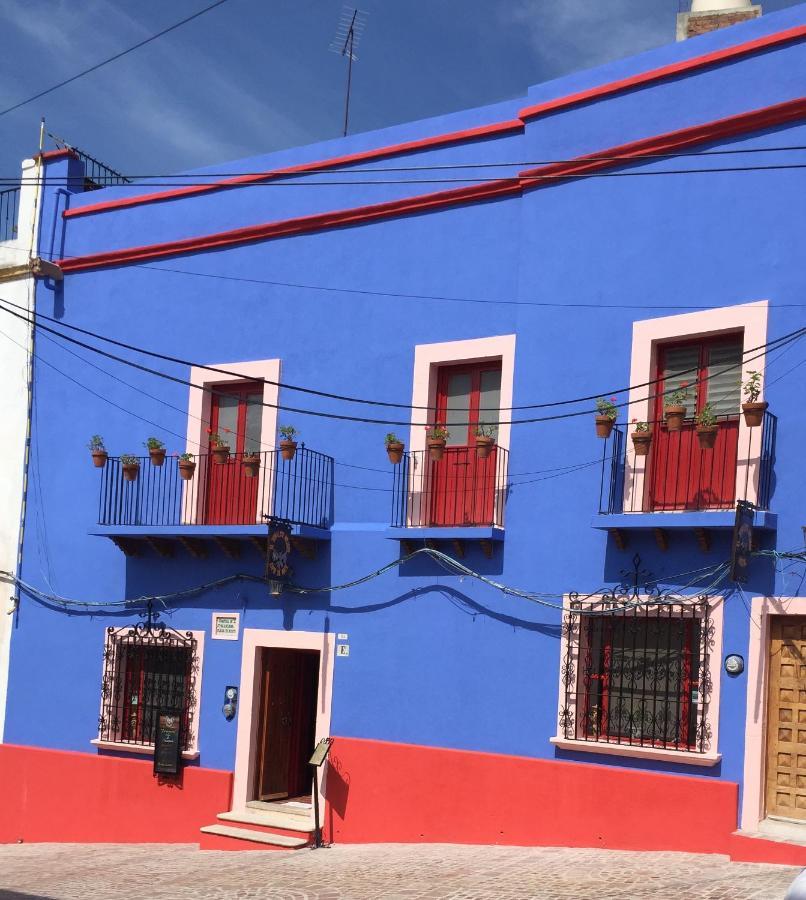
{"x": 786, "y": 719}
{"x": 287, "y": 724}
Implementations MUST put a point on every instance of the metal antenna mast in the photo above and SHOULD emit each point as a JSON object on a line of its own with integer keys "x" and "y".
{"x": 345, "y": 43}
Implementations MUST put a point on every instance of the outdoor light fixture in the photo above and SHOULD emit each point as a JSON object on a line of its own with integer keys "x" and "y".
{"x": 734, "y": 664}
{"x": 276, "y": 588}
{"x": 230, "y": 702}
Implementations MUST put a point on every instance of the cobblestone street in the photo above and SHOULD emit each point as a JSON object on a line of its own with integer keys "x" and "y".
{"x": 391, "y": 872}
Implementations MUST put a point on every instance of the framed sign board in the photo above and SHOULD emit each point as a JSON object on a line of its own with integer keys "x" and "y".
{"x": 320, "y": 753}
{"x": 226, "y": 626}
{"x": 168, "y": 742}
{"x": 742, "y": 542}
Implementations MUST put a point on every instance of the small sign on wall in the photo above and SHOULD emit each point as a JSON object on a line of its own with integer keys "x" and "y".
{"x": 226, "y": 626}
{"x": 342, "y": 649}
{"x": 168, "y": 742}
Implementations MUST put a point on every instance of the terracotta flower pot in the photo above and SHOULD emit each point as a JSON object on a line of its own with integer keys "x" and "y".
{"x": 288, "y": 449}
{"x": 436, "y": 447}
{"x": 484, "y": 446}
{"x": 157, "y": 456}
{"x": 706, "y": 435}
{"x": 641, "y": 441}
{"x": 754, "y": 412}
{"x": 674, "y": 417}
{"x": 131, "y": 471}
{"x": 220, "y": 453}
{"x": 99, "y": 458}
{"x": 187, "y": 468}
{"x": 394, "y": 450}
{"x": 251, "y": 464}
{"x": 604, "y": 426}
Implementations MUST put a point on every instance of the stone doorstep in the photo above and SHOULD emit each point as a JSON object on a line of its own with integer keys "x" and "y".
{"x": 269, "y": 819}
{"x": 256, "y": 837}
{"x": 280, "y": 806}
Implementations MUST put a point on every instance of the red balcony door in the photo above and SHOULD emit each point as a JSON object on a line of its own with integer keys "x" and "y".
{"x": 462, "y": 485}
{"x": 231, "y": 497}
{"x": 681, "y": 475}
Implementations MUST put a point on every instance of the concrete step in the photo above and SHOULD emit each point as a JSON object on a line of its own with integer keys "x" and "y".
{"x": 280, "y": 806}
{"x": 268, "y": 818}
{"x": 256, "y": 837}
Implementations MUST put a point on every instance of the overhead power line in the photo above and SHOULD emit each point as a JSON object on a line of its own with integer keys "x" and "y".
{"x": 111, "y": 59}
{"x": 764, "y": 348}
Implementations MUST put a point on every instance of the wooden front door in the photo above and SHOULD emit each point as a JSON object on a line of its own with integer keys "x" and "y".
{"x": 462, "y": 485}
{"x": 681, "y": 475}
{"x": 786, "y": 719}
{"x": 231, "y": 497}
{"x": 289, "y": 680}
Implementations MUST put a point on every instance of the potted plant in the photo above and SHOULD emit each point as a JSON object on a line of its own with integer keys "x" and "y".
{"x": 707, "y": 427}
{"x": 607, "y": 413}
{"x": 674, "y": 407}
{"x": 251, "y": 464}
{"x": 754, "y": 408}
{"x": 436, "y": 436}
{"x": 641, "y": 437}
{"x": 130, "y": 465}
{"x": 187, "y": 466}
{"x": 219, "y": 448}
{"x": 485, "y": 440}
{"x": 394, "y": 448}
{"x": 156, "y": 450}
{"x": 98, "y": 451}
{"x": 288, "y": 446}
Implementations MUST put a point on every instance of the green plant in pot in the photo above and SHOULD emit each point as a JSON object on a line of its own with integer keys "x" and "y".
{"x": 156, "y": 450}
{"x": 485, "y": 440}
{"x": 98, "y": 451}
{"x": 606, "y": 415}
{"x": 674, "y": 407}
{"x": 130, "y": 465}
{"x": 641, "y": 437}
{"x": 753, "y": 408}
{"x": 288, "y": 446}
{"x": 394, "y": 448}
{"x": 707, "y": 427}
{"x": 250, "y": 462}
{"x": 219, "y": 448}
{"x": 436, "y": 437}
{"x": 187, "y": 466}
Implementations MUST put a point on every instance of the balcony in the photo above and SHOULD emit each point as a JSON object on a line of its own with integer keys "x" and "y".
{"x": 458, "y": 497}
{"x": 678, "y": 484}
{"x": 222, "y": 503}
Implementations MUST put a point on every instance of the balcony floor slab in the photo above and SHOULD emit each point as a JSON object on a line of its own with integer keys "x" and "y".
{"x": 235, "y": 532}
{"x": 718, "y": 518}
{"x": 447, "y": 533}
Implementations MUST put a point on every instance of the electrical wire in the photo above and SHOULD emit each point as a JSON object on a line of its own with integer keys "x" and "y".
{"x": 111, "y": 59}
{"x": 782, "y": 341}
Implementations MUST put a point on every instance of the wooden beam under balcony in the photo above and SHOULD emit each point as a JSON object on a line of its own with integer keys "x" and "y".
{"x": 196, "y": 549}
{"x": 228, "y": 547}
{"x": 161, "y": 547}
{"x": 661, "y": 538}
{"x": 304, "y": 546}
{"x": 619, "y": 538}
{"x": 128, "y": 546}
{"x": 703, "y": 539}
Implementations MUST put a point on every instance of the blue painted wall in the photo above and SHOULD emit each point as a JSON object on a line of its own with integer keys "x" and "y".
{"x": 434, "y": 659}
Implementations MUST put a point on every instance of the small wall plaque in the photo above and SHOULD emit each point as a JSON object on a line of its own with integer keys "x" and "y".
{"x": 342, "y": 637}
{"x": 342, "y": 649}
{"x": 226, "y": 626}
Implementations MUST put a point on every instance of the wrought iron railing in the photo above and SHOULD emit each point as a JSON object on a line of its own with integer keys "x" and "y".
{"x": 298, "y": 491}
{"x": 97, "y": 175}
{"x": 637, "y": 674}
{"x": 678, "y": 474}
{"x": 9, "y": 213}
{"x": 460, "y": 489}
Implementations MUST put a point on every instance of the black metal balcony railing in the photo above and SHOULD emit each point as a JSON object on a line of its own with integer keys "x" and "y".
{"x": 298, "y": 491}
{"x": 9, "y": 212}
{"x": 458, "y": 490}
{"x": 677, "y": 474}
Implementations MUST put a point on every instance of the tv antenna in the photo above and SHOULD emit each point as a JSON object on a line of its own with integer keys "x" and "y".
{"x": 345, "y": 43}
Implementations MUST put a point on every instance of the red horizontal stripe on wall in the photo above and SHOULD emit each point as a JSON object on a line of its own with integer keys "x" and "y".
{"x": 441, "y": 140}
{"x": 613, "y": 157}
{"x": 684, "y": 67}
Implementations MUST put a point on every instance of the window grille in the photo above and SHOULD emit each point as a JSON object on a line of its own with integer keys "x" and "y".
{"x": 148, "y": 667}
{"x": 637, "y": 672}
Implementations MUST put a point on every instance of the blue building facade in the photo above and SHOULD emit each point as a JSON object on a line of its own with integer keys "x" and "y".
{"x": 533, "y": 632}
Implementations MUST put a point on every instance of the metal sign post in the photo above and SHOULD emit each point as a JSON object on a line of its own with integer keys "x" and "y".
{"x": 317, "y": 760}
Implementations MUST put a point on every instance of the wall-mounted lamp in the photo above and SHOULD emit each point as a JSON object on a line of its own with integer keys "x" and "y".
{"x": 230, "y": 702}
{"x": 276, "y": 588}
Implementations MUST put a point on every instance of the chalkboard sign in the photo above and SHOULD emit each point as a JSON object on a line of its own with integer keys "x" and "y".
{"x": 168, "y": 743}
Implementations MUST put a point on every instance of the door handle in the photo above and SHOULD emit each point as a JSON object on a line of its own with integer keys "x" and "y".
{"x": 286, "y": 720}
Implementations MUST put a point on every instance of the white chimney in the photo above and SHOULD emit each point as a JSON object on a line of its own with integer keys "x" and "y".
{"x": 710, "y": 15}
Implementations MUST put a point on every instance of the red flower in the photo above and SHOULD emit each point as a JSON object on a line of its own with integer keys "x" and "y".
{"x": 683, "y": 384}
{"x": 209, "y": 431}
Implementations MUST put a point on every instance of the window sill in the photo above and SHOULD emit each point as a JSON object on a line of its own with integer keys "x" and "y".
{"x": 138, "y": 749}
{"x": 676, "y": 756}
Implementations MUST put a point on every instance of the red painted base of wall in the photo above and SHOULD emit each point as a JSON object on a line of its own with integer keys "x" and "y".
{"x": 401, "y": 793}
{"x": 54, "y": 795}
{"x": 744, "y": 848}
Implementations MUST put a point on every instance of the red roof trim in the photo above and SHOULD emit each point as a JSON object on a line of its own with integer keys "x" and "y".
{"x": 679, "y": 68}
{"x": 708, "y": 132}
{"x": 57, "y": 154}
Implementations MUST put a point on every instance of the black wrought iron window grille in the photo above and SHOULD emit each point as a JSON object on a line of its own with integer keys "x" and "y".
{"x": 148, "y": 667}
{"x": 635, "y": 670}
